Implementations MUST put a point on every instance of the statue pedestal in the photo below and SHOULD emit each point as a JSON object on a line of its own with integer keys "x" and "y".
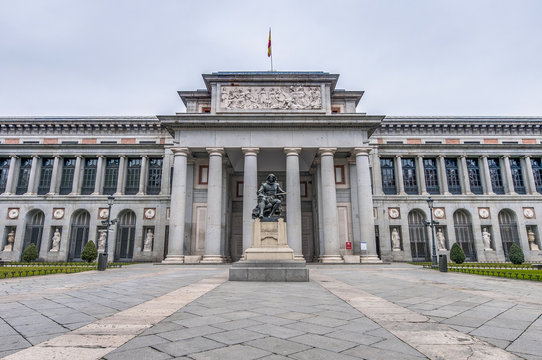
{"x": 269, "y": 258}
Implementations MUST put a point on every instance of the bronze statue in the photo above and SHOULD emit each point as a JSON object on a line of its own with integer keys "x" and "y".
{"x": 270, "y": 195}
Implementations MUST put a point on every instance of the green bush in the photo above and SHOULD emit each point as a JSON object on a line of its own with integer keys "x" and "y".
{"x": 516, "y": 255}
{"x": 457, "y": 254}
{"x": 30, "y": 253}
{"x": 89, "y": 253}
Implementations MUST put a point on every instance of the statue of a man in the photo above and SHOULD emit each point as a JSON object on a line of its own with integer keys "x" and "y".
{"x": 486, "y": 237}
{"x": 11, "y": 240}
{"x": 532, "y": 240}
{"x": 147, "y": 246}
{"x": 56, "y": 241}
{"x": 395, "y": 240}
{"x": 101, "y": 240}
{"x": 441, "y": 239}
{"x": 269, "y": 198}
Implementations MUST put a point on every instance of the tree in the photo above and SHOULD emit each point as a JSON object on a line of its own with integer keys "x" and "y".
{"x": 30, "y": 253}
{"x": 516, "y": 254}
{"x": 89, "y": 253}
{"x": 457, "y": 254}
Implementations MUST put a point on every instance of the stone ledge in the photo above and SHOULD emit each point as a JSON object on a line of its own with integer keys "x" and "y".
{"x": 279, "y": 271}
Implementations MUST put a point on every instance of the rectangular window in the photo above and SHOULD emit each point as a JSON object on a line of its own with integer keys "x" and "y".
{"x": 24, "y": 176}
{"x": 66, "y": 181}
{"x": 132, "y": 176}
{"x": 89, "y": 176}
{"x": 4, "y": 171}
{"x": 203, "y": 176}
{"x": 452, "y": 175}
{"x": 537, "y": 172}
{"x": 387, "y": 170}
{"x": 45, "y": 175}
{"x": 495, "y": 175}
{"x": 154, "y": 178}
{"x": 339, "y": 175}
{"x": 239, "y": 188}
{"x": 430, "y": 174}
{"x": 475, "y": 181}
{"x": 409, "y": 176}
{"x": 111, "y": 176}
{"x": 517, "y": 175}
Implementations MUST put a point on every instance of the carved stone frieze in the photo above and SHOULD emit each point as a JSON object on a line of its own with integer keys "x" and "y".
{"x": 271, "y": 98}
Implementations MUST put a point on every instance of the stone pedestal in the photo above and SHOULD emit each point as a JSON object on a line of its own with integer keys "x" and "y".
{"x": 269, "y": 258}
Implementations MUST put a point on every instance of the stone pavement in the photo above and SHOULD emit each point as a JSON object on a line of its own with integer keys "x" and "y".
{"x": 394, "y": 311}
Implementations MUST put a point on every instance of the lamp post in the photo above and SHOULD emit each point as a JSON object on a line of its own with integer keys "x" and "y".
{"x": 432, "y": 225}
{"x": 102, "y": 260}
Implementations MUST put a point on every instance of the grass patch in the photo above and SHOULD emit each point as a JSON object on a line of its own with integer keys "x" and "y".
{"x": 534, "y": 275}
{"x": 481, "y": 265}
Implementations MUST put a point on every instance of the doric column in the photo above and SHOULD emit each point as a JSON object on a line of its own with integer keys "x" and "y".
{"x": 508, "y": 181}
{"x": 377, "y": 175}
{"x": 76, "y": 187}
{"x": 465, "y": 182}
{"x": 250, "y": 188}
{"x": 293, "y": 202}
{"x": 529, "y": 175}
{"x": 422, "y": 187}
{"x": 399, "y": 176}
{"x": 213, "y": 226}
{"x": 365, "y": 204}
{"x": 98, "y": 185}
{"x": 143, "y": 175}
{"x": 122, "y": 175}
{"x": 486, "y": 177}
{"x": 178, "y": 207}
{"x": 329, "y": 204}
{"x": 55, "y": 176}
{"x": 443, "y": 178}
{"x": 11, "y": 175}
{"x": 31, "y": 190}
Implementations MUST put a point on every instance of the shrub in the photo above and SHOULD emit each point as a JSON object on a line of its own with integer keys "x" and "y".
{"x": 516, "y": 255}
{"x": 457, "y": 254}
{"x": 89, "y": 253}
{"x": 30, "y": 253}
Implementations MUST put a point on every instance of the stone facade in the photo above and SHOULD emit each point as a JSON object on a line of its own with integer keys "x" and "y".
{"x": 190, "y": 179}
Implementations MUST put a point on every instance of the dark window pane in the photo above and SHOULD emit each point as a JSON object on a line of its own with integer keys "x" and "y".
{"x": 517, "y": 175}
{"x": 24, "y": 176}
{"x": 474, "y": 176}
{"x": 132, "y": 176}
{"x": 496, "y": 176}
{"x": 431, "y": 177}
{"x": 45, "y": 175}
{"x": 4, "y": 171}
{"x": 409, "y": 176}
{"x": 537, "y": 172}
{"x": 388, "y": 176}
{"x": 89, "y": 176}
{"x": 452, "y": 175}
{"x": 111, "y": 176}
{"x": 68, "y": 170}
{"x": 154, "y": 178}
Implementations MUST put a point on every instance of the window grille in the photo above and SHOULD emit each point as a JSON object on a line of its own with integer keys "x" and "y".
{"x": 45, "y": 175}
{"x": 68, "y": 171}
{"x": 89, "y": 176}
{"x": 111, "y": 176}
{"x": 517, "y": 176}
{"x": 388, "y": 176}
{"x": 430, "y": 174}
{"x": 496, "y": 176}
{"x": 409, "y": 176}
{"x": 4, "y": 172}
{"x": 452, "y": 175}
{"x": 473, "y": 169}
{"x": 132, "y": 176}
{"x": 24, "y": 176}
{"x": 154, "y": 177}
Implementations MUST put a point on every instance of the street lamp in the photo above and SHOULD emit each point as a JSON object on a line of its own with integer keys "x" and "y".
{"x": 432, "y": 224}
{"x": 102, "y": 260}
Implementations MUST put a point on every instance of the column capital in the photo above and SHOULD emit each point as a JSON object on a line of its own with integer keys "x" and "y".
{"x": 483, "y": 156}
{"x": 504, "y": 156}
{"x": 463, "y": 156}
{"x": 362, "y": 151}
{"x": 124, "y": 156}
{"x": 440, "y": 156}
{"x": 180, "y": 151}
{"x": 292, "y": 151}
{"x": 250, "y": 151}
{"x": 215, "y": 151}
{"x": 398, "y": 156}
{"x": 99, "y": 156}
{"x": 57, "y": 156}
{"x": 419, "y": 156}
{"x": 326, "y": 151}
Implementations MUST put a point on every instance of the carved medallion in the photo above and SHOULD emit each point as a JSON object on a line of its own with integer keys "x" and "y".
{"x": 439, "y": 213}
{"x": 103, "y": 213}
{"x": 149, "y": 213}
{"x": 271, "y": 98}
{"x": 528, "y": 213}
{"x": 394, "y": 213}
{"x": 58, "y": 213}
{"x": 483, "y": 213}
{"x": 13, "y": 213}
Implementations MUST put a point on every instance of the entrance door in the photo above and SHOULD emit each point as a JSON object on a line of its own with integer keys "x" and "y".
{"x": 34, "y": 229}
{"x": 79, "y": 234}
{"x": 509, "y": 231}
{"x": 124, "y": 250}
{"x": 463, "y": 234}
{"x": 418, "y": 236}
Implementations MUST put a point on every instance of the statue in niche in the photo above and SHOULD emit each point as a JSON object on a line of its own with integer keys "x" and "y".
{"x": 395, "y": 240}
{"x": 11, "y": 240}
{"x": 147, "y": 245}
{"x": 101, "y": 240}
{"x": 441, "y": 239}
{"x": 55, "y": 247}
{"x": 270, "y": 195}
{"x": 486, "y": 238}
{"x": 532, "y": 240}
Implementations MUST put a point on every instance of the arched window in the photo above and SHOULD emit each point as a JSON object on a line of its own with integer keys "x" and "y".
{"x": 509, "y": 230}
{"x": 463, "y": 234}
{"x": 79, "y": 233}
{"x": 418, "y": 236}
{"x": 124, "y": 249}
{"x": 34, "y": 228}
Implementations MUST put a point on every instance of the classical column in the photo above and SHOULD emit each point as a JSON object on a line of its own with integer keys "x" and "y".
{"x": 11, "y": 175}
{"x": 508, "y": 181}
{"x": 329, "y": 204}
{"x": 250, "y": 198}
{"x": 98, "y": 184}
{"x": 365, "y": 204}
{"x": 166, "y": 168}
{"x": 528, "y": 175}
{"x": 55, "y": 176}
{"x": 465, "y": 182}
{"x": 486, "y": 176}
{"x": 76, "y": 187}
{"x": 399, "y": 176}
{"x": 213, "y": 226}
{"x": 143, "y": 175}
{"x": 377, "y": 175}
{"x": 293, "y": 202}
{"x": 422, "y": 186}
{"x": 178, "y": 207}
{"x": 31, "y": 190}
{"x": 443, "y": 178}
{"x": 122, "y": 175}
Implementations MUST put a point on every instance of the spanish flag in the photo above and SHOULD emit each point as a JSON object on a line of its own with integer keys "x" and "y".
{"x": 269, "y": 44}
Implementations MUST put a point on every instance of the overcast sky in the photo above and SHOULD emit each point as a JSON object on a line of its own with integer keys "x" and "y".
{"x": 113, "y": 57}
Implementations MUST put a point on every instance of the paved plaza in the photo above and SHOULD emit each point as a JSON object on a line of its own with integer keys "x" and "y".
{"x": 147, "y": 311}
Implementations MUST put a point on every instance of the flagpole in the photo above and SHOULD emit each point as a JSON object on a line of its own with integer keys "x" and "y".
{"x": 270, "y": 49}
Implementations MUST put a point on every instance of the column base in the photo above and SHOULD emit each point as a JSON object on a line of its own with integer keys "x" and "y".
{"x": 173, "y": 259}
{"x": 331, "y": 259}
{"x": 299, "y": 257}
{"x": 213, "y": 259}
{"x": 370, "y": 259}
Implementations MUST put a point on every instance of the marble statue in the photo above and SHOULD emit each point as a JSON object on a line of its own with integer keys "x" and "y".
{"x": 270, "y": 195}
{"x": 147, "y": 246}
{"x": 441, "y": 239}
{"x": 486, "y": 238}
{"x": 11, "y": 240}
{"x": 101, "y": 240}
{"x": 56, "y": 241}
{"x": 532, "y": 240}
{"x": 395, "y": 240}
{"x": 271, "y": 97}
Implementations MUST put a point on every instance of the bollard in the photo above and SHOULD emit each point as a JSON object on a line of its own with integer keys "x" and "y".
{"x": 102, "y": 261}
{"x": 443, "y": 263}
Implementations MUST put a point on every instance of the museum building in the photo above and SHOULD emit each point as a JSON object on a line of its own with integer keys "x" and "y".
{"x": 185, "y": 185}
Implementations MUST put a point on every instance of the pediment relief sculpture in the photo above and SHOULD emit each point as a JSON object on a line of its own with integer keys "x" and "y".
{"x": 271, "y": 98}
